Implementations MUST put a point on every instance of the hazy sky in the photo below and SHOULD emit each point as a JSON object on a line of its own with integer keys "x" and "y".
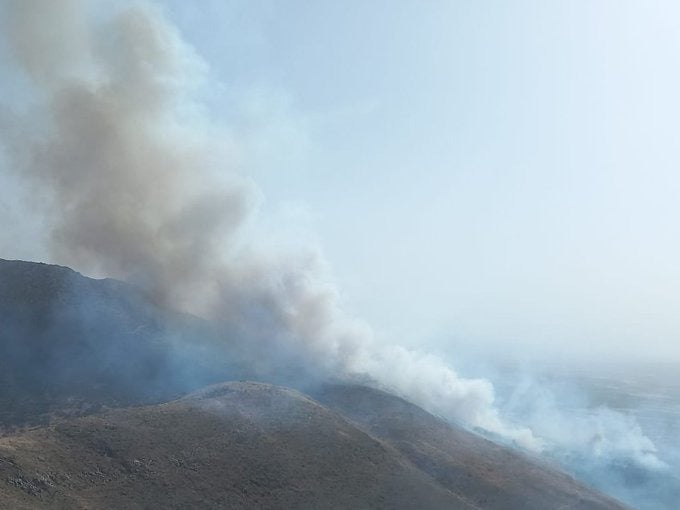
{"x": 495, "y": 174}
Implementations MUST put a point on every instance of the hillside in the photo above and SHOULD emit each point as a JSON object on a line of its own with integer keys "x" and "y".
{"x": 489, "y": 475}
{"x": 92, "y": 378}
{"x": 252, "y": 445}
{"x": 70, "y": 345}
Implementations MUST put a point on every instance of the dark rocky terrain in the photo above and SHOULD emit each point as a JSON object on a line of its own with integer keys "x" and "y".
{"x": 70, "y": 345}
{"x": 92, "y": 378}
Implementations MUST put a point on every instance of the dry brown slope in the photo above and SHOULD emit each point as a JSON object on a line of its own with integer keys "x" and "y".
{"x": 253, "y": 445}
{"x": 237, "y": 445}
{"x": 485, "y": 473}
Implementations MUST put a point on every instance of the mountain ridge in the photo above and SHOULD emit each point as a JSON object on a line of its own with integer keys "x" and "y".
{"x": 100, "y": 374}
{"x": 244, "y": 445}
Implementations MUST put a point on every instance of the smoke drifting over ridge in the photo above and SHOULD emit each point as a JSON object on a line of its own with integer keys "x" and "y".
{"x": 138, "y": 195}
{"x": 134, "y": 183}
{"x": 125, "y": 177}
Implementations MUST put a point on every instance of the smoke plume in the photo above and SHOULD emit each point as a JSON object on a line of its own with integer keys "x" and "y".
{"x": 132, "y": 180}
{"x": 138, "y": 187}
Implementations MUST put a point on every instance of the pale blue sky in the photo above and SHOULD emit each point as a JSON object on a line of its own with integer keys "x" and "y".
{"x": 494, "y": 172}
{"x": 498, "y": 174}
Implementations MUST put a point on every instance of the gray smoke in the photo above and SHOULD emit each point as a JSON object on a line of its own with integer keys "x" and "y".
{"x": 131, "y": 197}
{"x": 131, "y": 180}
{"x": 136, "y": 186}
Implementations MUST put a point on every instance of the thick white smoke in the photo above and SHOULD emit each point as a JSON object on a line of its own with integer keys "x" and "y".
{"x": 606, "y": 447}
{"x": 140, "y": 190}
{"x": 569, "y": 425}
{"x": 134, "y": 183}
